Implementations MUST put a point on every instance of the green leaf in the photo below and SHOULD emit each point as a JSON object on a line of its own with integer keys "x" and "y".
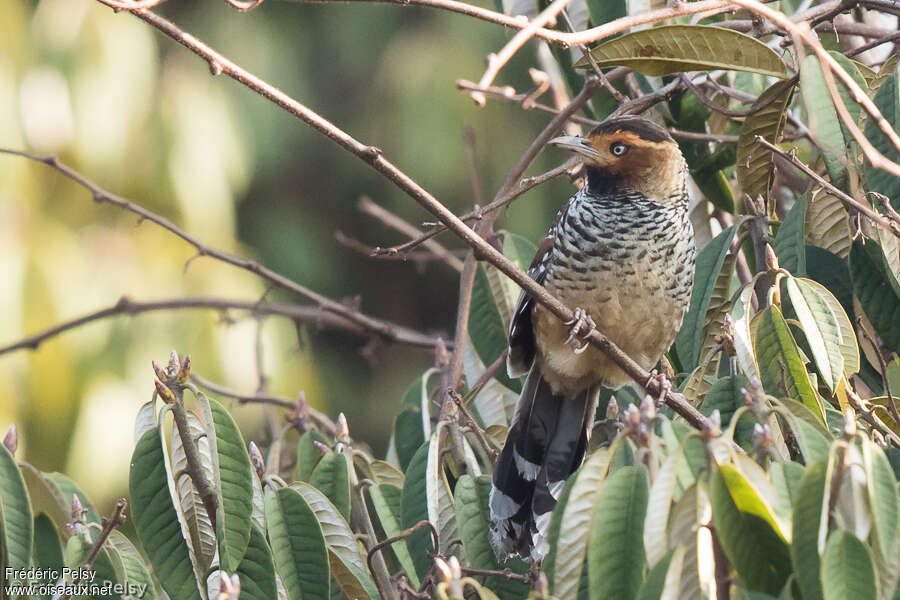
{"x": 756, "y": 552}
{"x": 790, "y": 241}
{"x": 332, "y": 477}
{"x": 820, "y": 327}
{"x": 298, "y": 545}
{"x": 848, "y": 347}
{"x": 883, "y": 499}
{"x": 257, "y": 569}
{"x": 129, "y": 565}
{"x": 47, "y": 551}
{"x": 473, "y": 516}
{"x": 615, "y": 559}
{"x": 16, "y": 520}
{"x": 811, "y": 434}
{"x": 308, "y": 456}
{"x": 408, "y": 436}
{"x": 878, "y": 299}
{"x": 807, "y": 515}
{"x": 415, "y": 509}
{"x": 568, "y": 553}
{"x": 689, "y": 341}
{"x": 887, "y": 99}
{"x": 62, "y": 489}
{"x": 754, "y": 165}
{"x": 338, "y": 538}
{"x": 157, "y": 523}
{"x": 385, "y": 473}
{"x": 847, "y": 570}
{"x": 671, "y": 49}
{"x": 487, "y": 328}
{"x": 386, "y": 499}
{"x": 234, "y": 489}
{"x": 652, "y": 588}
{"x": 824, "y": 124}
{"x": 780, "y": 365}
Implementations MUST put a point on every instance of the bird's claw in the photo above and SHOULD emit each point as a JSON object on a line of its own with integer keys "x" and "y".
{"x": 582, "y": 325}
{"x": 665, "y": 386}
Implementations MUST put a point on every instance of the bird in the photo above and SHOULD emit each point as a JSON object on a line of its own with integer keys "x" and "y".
{"x": 621, "y": 254}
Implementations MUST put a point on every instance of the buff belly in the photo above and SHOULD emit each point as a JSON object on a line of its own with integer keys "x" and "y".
{"x": 637, "y": 315}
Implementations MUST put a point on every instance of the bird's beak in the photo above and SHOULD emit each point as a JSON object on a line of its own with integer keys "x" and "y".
{"x": 576, "y": 144}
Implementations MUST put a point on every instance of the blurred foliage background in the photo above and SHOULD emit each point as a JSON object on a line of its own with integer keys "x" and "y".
{"x": 141, "y": 116}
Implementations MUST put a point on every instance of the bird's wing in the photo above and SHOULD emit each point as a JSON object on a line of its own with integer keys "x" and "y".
{"x": 521, "y": 334}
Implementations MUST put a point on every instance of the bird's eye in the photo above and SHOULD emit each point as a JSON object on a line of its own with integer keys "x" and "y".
{"x": 618, "y": 149}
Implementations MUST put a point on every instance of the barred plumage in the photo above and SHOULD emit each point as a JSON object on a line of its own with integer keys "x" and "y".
{"x": 621, "y": 249}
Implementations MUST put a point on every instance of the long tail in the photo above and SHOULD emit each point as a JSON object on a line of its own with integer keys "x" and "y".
{"x": 545, "y": 444}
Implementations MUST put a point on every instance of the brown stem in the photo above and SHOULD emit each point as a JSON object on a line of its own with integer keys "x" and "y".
{"x": 194, "y": 467}
{"x": 100, "y": 195}
{"x": 299, "y": 314}
{"x": 109, "y": 524}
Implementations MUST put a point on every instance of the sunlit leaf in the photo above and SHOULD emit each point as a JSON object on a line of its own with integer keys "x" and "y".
{"x": 386, "y": 499}
{"x": 758, "y": 554}
{"x": 676, "y": 48}
{"x": 827, "y": 223}
{"x": 883, "y": 499}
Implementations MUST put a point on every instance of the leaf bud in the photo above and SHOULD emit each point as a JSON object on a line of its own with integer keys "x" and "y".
{"x": 11, "y": 439}
{"x": 160, "y": 373}
{"x": 256, "y": 459}
{"x": 184, "y": 373}
{"x": 164, "y": 392}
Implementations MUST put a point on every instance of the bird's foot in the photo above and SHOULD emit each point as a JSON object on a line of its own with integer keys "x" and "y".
{"x": 664, "y": 383}
{"x": 582, "y": 325}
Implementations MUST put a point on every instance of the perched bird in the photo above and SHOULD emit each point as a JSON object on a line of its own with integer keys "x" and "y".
{"x": 621, "y": 253}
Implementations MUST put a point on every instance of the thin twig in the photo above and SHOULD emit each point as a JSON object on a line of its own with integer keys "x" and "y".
{"x": 109, "y": 524}
{"x": 476, "y": 429}
{"x": 402, "y": 535}
{"x": 300, "y": 314}
{"x": 523, "y": 186}
{"x": 497, "y": 61}
{"x": 849, "y": 200}
{"x": 368, "y": 207}
{"x": 504, "y": 574}
{"x": 320, "y": 418}
{"x": 101, "y": 195}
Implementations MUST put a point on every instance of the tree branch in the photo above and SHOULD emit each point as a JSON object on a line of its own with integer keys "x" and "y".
{"x": 383, "y": 328}
{"x": 303, "y": 314}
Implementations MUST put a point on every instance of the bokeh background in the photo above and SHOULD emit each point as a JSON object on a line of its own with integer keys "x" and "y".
{"x": 142, "y": 116}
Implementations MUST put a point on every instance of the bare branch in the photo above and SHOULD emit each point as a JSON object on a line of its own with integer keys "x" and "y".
{"x": 300, "y": 314}
{"x": 320, "y": 418}
{"x": 383, "y": 328}
{"x": 376, "y": 211}
{"x": 849, "y": 200}
{"x": 496, "y": 61}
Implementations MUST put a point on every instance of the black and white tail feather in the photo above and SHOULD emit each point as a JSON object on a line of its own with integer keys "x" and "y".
{"x": 545, "y": 444}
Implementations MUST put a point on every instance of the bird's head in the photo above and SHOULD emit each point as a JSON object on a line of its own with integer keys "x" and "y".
{"x": 629, "y": 152}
